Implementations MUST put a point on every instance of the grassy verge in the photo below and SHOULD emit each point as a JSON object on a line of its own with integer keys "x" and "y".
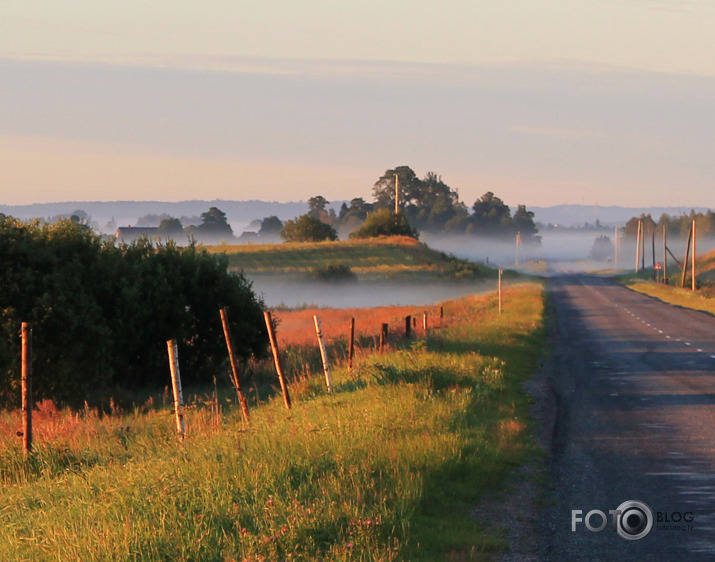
{"x": 385, "y": 468}
{"x": 698, "y": 300}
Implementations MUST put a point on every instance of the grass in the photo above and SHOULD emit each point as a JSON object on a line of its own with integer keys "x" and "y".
{"x": 380, "y": 257}
{"x": 386, "y": 467}
{"x": 701, "y": 299}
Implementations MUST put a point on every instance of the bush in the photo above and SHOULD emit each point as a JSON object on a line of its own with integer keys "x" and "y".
{"x": 385, "y": 223}
{"x": 333, "y": 272}
{"x": 101, "y": 314}
{"x": 307, "y": 228}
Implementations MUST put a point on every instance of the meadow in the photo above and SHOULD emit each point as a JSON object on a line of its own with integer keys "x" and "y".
{"x": 386, "y": 467}
{"x": 371, "y": 258}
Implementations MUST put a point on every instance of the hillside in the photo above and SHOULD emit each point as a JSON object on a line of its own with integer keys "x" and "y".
{"x": 366, "y": 258}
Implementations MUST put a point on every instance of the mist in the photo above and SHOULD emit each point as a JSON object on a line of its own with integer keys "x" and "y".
{"x": 280, "y": 292}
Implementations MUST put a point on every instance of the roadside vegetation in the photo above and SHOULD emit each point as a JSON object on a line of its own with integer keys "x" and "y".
{"x": 386, "y": 467}
{"x": 701, "y": 299}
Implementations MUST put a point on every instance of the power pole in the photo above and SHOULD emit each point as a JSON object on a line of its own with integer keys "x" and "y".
{"x": 397, "y": 194}
{"x": 518, "y": 246}
{"x": 615, "y": 246}
{"x": 692, "y": 273}
{"x": 665, "y": 254}
{"x": 638, "y": 246}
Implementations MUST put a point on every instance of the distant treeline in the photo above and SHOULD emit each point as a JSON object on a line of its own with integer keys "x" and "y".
{"x": 101, "y": 313}
{"x": 678, "y": 227}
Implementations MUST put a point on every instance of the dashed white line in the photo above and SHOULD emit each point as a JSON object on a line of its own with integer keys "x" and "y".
{"x": 688, "y": 343}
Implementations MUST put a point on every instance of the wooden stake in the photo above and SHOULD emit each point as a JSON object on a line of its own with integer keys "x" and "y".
{"x": 408, "y": 326}
{"x": 276, "y": 358}
{"x": 499, "y": 289}
{"x": 234, "y": 365}
{"x": 323, "y": 353}
{"x": 685, "y": 261}
{"x": 692, "y": 273}
{"x": 424, "y": 322}
{"x": 383, "y": 337}
{"x": 441, "y": 312}
{"x": 176, "y": 387}
{"x": 26, "y": 384}
{"x": 351, "y": 345}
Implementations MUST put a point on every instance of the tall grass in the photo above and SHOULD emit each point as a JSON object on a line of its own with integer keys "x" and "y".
{"x": 387, "y": 467}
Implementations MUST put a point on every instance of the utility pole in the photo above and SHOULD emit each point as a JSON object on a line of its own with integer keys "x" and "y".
{"x": 665, "y": 254}
{"x": 638, "y": 246}
{"x": 615, "y": 246}
{"x": 397, "y": 194}
{"x": 692, "y": 273}
{"x": 518, "y": 246}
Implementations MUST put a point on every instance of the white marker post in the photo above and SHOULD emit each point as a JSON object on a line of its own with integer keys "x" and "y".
{"x": 323, "y": 353}
{"x": 176, "y": 387}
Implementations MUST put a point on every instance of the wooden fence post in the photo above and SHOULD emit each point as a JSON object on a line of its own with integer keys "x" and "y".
{"x": 383, "y": 337}
{"x": 499, "y": 289}
{"x": 351, "y": 345}
{"x": 276, "y": 358}
{"x": 424, "y": 322}
{"x": 176, "y": 387}
{"x": 26, "y": 384}
{"x": 408, "y": 326}
{"x": 234, "y": 365}
{"x": 323, "y": 353}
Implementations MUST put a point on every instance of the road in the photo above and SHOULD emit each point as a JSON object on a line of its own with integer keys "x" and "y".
{"x": 634, "y": 386}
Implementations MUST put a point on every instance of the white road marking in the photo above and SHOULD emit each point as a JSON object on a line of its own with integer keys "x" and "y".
{"x": 688, "y": 343}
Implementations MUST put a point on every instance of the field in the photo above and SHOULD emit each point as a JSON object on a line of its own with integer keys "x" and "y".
{"x": 387, "y": 467}
{"x": 376, "y": 258}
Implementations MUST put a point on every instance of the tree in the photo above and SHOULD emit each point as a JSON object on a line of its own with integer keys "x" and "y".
{"x": 385, "y": 223}
{"x": 270, "y": 227}
{"x": 307, "y": 228}
{"x": 602, "y": 249}
{"x": 171, "y": 228}
{"x": 523, "y": 223}
{"x": 317, "y": 207}
{"x": 491, "y": 216}
{"x": 214, "y": 224}
{"x": 384, "y": 188}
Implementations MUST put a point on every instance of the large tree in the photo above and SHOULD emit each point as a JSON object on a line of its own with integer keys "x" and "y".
{"x": 214, "y": 224}
{"x": 491, "y": 216}
{"x": 384, "y": 189}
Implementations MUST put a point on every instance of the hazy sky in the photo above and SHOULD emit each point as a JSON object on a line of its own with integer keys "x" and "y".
{"x": 568, "y": 101}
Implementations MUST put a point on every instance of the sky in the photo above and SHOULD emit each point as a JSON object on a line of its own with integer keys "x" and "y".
{"x": 608, "y": 102}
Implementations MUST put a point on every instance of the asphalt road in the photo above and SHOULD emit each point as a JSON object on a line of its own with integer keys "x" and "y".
{"x": 634, "y": 386}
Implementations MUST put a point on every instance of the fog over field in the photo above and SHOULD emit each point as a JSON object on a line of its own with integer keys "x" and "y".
{"x": 278, "y": 292}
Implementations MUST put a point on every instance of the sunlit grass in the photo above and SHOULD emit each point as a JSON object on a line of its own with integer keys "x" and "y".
{"x": 385, "y": 468}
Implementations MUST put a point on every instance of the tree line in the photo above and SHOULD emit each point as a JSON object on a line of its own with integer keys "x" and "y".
{"x": 102, "y": 313}
{"x": 426, "y": 204}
